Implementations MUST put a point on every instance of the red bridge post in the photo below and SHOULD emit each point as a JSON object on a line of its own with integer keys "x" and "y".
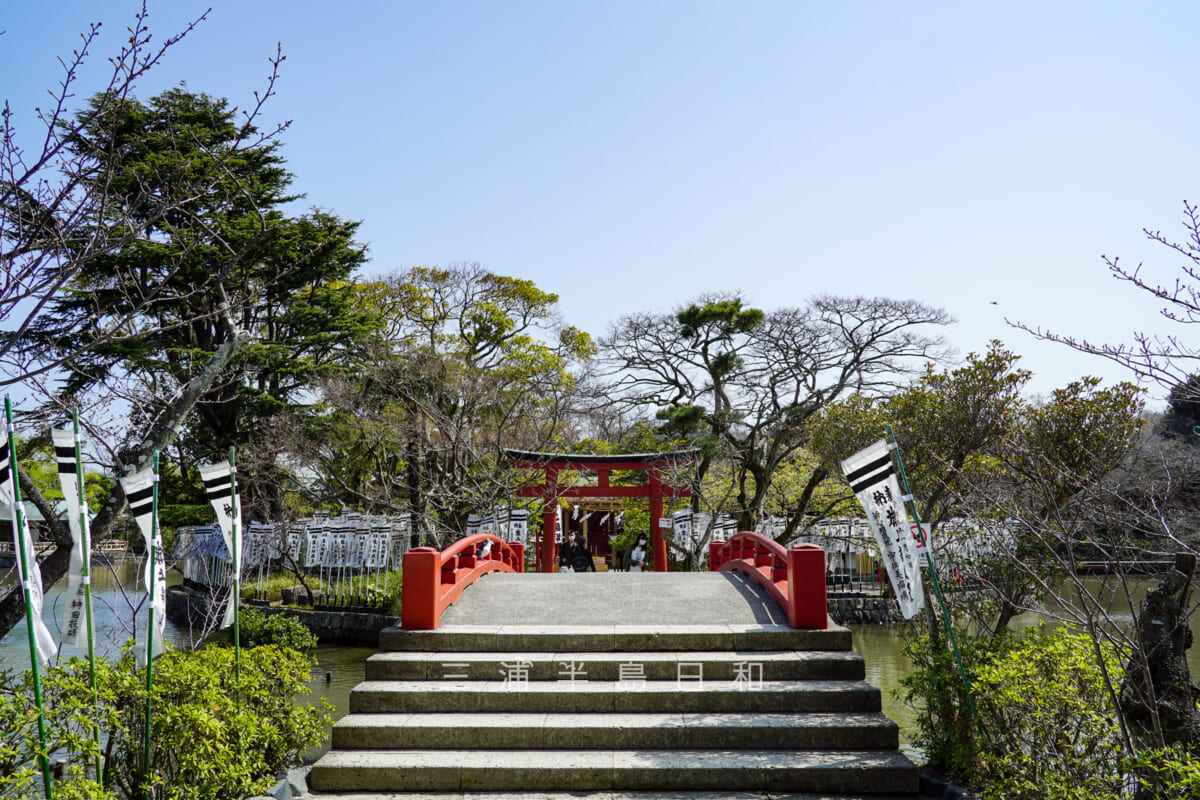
{"x": 419, "y": 594}
{"x": 807, "y": 602}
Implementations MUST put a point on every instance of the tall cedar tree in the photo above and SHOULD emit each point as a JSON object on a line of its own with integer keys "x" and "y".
{"x": 286, "y": 280}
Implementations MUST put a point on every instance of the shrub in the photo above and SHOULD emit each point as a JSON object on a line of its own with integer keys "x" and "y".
{"x": 1050, "y": 724}
{"x": 1046, "y": 727}
{"x": 1170, "y": 772}
{"x": 934, "y": 690}
{"x": 216, "y": 732}
{"x": 256, "y": 629}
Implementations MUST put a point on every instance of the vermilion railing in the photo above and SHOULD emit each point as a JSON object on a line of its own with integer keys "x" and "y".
{"x": 433, "y": 580}
{"x": 795, "y": 577}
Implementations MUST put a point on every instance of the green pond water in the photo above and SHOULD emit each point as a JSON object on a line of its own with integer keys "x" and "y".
{"x": 339, "y": 668}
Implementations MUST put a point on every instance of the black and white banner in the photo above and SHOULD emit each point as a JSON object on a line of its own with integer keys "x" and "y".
{"x": 23, "y": 550}
{"x": 68, "y": 479}
{"x": 139, "y": 491}
{"x": 873, "y": 478}
{"x": 218, "y": 485}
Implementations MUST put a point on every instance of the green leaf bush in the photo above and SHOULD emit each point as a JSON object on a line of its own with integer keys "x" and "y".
{"x": 1046, "y": 725}
{"x": 218, "y": 730}
{"x": 257, "y": 629}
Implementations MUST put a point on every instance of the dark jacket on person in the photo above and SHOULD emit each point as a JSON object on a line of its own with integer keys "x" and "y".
{"x": 578, "y": 558}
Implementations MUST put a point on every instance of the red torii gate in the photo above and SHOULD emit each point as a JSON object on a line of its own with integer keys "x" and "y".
{"x": 550, "y": 491}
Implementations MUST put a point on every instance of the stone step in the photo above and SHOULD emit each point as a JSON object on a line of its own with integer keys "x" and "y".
{"x": 655, "y": 666}
{"x": 561, "y": 696}
{"x": 613, "y": 638}
{"x": 878, "y": 772}
{"x": 658, "y": 731}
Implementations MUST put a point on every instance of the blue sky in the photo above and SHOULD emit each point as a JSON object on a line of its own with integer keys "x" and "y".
{"x": 631, "y": 155}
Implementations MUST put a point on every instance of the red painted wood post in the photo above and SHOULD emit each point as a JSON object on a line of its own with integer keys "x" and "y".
{"x": 714, "y": 556}
{"x": 518, "y": 549}
{"x": 807, "y": 605}
{"x": 657, "y": 543}
{"x": 419, "y": 594}
{"x": 549, "y": 528}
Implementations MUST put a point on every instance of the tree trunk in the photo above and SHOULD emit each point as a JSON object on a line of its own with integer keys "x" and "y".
{"x": 1167, "y": 706}
{"x": 161, "y": 434}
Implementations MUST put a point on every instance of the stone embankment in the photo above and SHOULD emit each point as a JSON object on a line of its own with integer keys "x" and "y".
{"x": 196, "y": 609}
{"x": 864, "y": 610}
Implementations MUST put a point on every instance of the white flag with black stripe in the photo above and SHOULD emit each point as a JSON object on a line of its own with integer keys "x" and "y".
{"x": 139, "y": 491}
{"x": 68, "y": 479}
{"x": 23, "y": 548}
{"x": 218, "y": 485}
{"x": 872, "y": 476}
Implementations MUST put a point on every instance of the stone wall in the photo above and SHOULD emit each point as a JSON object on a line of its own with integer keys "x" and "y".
{"x": 864, "y": 610}
{"x": 187, "y": 607}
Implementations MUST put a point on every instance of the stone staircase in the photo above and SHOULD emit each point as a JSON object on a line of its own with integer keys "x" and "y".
{"x": 615, "y": 708}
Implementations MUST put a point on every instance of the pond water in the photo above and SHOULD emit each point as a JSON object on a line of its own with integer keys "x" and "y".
{"x": 339, "y": 668}
{"x": 119, "y": 611}
{"x": 881, "y": 645}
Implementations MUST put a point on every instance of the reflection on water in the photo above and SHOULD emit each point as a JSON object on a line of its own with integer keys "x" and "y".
{"x": 118, "y": 608}
{"x": 337, "y": 671}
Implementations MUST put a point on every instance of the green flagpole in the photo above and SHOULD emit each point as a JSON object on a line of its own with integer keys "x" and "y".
{"x": 151, "y": 565}
{"x": 17, "y": 523}
{"x": 85, "y": 543}
{"x": 937, "y": 586}
{"x": 236, "y": 599}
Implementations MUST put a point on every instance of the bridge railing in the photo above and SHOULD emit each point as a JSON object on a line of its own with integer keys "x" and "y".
{"x": 433, "y": 580}
{"x": 794, "y": 577}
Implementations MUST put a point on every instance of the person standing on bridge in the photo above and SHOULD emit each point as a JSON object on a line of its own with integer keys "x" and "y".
{"x": 577, "y": 556}
{"x": 637, "y": 556}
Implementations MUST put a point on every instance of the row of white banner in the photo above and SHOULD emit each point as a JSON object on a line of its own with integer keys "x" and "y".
{"x": 264, "y": 543}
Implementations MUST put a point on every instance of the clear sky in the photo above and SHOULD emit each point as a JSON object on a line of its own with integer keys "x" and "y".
{"x": 630, "y": 155}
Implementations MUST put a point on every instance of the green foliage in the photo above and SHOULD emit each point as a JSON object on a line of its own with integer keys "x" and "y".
{"x": 467, "y": 363}
{"x": 212, "y": 735}
{"x": 286, "y": 280}
{"x": 1047, "y": 726}
{"x": 1167, "y": 773}
{"x": 258, "y": 629}
{"x": 1183, "y": 412}
{"x": 1049, "y": 719}
{"x": 935, "y": 691}
{"x": 37, "y": 460}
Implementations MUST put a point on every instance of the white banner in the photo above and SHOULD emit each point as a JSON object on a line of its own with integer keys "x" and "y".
{"x": 873, "y": 479}
{"x": 68, "y": 478}
{"x": 218, "y": 485}
{"x": 377, "y": 548}
{"x": 337, "y": 550}
{"x": 139, "y": 491}
{"x": 315, "y": 545}
{"x": 23, "y": 549}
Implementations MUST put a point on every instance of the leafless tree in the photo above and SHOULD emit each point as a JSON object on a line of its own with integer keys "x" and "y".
{"x": 743, "y": 384}
{"x": 1166, "y": 359}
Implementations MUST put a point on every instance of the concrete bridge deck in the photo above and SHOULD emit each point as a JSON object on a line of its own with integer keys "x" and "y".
{"x": 615, "y": 598}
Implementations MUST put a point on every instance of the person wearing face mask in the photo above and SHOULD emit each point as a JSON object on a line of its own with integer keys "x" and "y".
{"x": 637, "y": 556}
{"x": 577, "y": 557}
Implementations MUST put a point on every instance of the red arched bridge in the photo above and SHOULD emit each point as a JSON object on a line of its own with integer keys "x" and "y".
{"x": 792, "y": 577}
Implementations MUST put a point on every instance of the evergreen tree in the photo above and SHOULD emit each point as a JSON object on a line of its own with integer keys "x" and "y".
{"x": 229, "y": 263}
